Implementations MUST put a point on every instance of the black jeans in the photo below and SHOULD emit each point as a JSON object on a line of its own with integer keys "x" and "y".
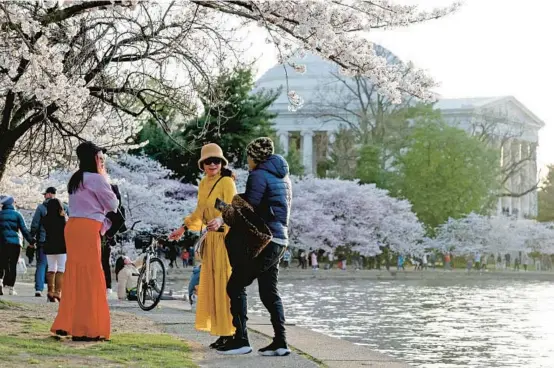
{"x": 9, "y": 255}
{"x": 106, "y": 252}
{"x": 265, "y": 268}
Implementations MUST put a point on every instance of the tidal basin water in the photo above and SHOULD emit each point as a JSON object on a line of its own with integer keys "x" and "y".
{"x": 443, "y": 322}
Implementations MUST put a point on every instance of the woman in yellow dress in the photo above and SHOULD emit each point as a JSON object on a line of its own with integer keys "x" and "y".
{"x": 213, "y": 310}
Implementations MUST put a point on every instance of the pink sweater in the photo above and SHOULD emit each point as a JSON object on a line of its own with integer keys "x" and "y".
{"x": 94, "y": 199}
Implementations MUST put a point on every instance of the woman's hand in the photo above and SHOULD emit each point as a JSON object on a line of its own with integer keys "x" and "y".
{"x": 177, "y": 234}
{"x": 215, "y": 224}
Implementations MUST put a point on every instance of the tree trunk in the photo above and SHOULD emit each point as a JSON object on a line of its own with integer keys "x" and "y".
{"x": 6, "y": 148}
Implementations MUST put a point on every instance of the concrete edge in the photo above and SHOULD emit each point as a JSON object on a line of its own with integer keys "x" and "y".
{"x": 314, "y": 345}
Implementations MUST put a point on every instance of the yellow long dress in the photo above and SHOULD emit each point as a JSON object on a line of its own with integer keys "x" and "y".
{"x": 213, "y": 313}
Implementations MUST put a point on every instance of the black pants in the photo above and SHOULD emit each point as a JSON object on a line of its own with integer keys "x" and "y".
{"x": 106, "y": 252}
{"x": 265, "y": 268}
{"x": 9, "y": 255}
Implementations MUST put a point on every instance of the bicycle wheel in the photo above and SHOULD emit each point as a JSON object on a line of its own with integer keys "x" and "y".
{"x": 149, "y": 293}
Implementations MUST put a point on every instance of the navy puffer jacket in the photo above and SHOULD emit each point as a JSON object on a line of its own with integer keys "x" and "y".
{"x": 11, "y": 222}
{"x": 269, "y": 191}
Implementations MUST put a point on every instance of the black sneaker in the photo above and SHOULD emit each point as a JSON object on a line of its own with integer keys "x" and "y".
{"x": 38, "y": 294}
{"x": 235, "y": 347}
{"x": 1, "y": 292}
{"x": 276, "y": 348}
{"x": 220, "y": 342}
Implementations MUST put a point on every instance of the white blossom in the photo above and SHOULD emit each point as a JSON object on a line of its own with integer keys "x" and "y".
{"x": 327, "y": 213}
{"x": 493, "y": 234}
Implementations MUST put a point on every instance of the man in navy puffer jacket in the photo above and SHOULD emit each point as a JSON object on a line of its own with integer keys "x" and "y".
{"x": 11, "y": 223}
{"x": 268, "y": 190}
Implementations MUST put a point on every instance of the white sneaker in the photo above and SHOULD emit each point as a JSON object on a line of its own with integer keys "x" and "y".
{"x": 11, "y": 290}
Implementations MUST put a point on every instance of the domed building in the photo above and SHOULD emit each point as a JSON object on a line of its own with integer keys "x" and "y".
{"x": 331, "y": 100}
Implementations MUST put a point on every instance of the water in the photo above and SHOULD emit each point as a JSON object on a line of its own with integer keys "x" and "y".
{"x": 430, "y": 323}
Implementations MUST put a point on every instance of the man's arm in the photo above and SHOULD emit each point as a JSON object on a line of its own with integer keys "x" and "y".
{"x": 35, "y": 224}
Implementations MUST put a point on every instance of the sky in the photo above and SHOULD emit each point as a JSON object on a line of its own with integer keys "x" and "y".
{"x": 487, "y": 48}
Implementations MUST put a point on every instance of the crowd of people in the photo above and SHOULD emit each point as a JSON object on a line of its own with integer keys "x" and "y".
{"x": 247, "y": 236}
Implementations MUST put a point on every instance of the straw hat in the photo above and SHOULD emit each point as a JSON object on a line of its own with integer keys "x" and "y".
{"x": 211, "y": 150}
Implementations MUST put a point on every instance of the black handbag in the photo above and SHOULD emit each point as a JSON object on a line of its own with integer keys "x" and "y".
{"x": 117, "y": 218}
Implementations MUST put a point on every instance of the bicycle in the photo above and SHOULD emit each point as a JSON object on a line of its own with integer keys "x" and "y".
{"x": 151, "y": 278}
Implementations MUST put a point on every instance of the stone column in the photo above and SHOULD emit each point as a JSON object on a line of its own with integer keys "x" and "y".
{"x": 307, "y": 151}
{"x": 526, "y": 181}
{"x": 330, "y": 141}
{"x": 284, "y": 141}
{"x": 506, "y": 159}
{"x": 533, "y": 197}
{"x": 515, "y": 179}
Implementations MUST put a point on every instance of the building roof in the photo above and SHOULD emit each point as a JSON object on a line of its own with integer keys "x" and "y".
{"x": 319, "y": 79}
{"x": 475, "y": 103}
{"x": 466, "y": 103}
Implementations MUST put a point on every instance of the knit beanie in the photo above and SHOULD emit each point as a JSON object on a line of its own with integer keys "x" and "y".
{"x": 260, "y": 149}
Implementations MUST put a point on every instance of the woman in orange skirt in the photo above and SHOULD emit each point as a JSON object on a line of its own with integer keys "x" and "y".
{"x": 84, "y": 313}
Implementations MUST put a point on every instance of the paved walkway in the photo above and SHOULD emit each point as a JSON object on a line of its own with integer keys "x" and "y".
{"x": 310, "y": 349}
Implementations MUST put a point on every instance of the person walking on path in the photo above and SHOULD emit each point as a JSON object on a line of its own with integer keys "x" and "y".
{"x": 54, "y": 248}
{"x": 424, "y": 262}
{"x": 185, "y": 258}
{"x": 447, "y": 260}
{"x": 287, "y": 256}
{"x": 400, "y": 263}
{"x": 11, "y": 224}
{"x": 525, "y": 261}
{"x": 38, "y": 232}
{"x": 213, "y": 306}
{"x": 84, "y": 313}
{"x": 268, "y": 191}
{"x": 313, "y": 258}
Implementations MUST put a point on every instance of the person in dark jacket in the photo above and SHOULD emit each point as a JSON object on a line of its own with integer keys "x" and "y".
{"x": 54, "y": 248}
{"x": 268, "y": 191}
{"x": 11, "y": 223}
{"x": 39, "y": 233}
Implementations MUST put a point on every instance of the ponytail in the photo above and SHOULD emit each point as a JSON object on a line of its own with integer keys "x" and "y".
{"x": 75, "y": 182}
{"x": 228, "y": 172}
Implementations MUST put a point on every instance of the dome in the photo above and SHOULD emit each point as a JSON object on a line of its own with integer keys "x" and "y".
{"x": 318, "y": 78}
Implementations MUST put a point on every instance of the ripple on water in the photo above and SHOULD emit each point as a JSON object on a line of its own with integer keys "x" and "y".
{"x": 430, "y": 323}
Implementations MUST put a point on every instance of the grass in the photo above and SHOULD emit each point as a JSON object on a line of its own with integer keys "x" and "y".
{"x": 6, "y": 304}
{"x": 27, "y": 342}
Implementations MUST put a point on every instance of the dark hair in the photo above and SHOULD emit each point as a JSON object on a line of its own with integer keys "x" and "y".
{"x": 119, "y": 264}
{"x": 87, "y": 163}
{"x": 54, "y": 209}
{"x": 54, "y": 220}
{"x": 225, "y": 171}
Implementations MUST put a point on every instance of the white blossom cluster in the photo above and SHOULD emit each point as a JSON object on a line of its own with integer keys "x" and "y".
{"x": 338, "y": 31}
{"x": 327, "y": 213}
{"x": 493, "y": 234}
{"x": 148, "y": 194}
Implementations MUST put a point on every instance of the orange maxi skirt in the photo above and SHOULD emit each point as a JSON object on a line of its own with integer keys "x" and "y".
{"x": 83, "y": 309}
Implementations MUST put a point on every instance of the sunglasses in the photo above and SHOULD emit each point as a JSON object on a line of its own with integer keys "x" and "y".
{"x": 212, "y": 160}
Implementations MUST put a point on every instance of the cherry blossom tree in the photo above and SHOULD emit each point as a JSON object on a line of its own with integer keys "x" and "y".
{"x": 148, "y": 195}
{"x": 327, "y": 213}
{"x": 494, "y": 234}
{"x": 73, "y": 70}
